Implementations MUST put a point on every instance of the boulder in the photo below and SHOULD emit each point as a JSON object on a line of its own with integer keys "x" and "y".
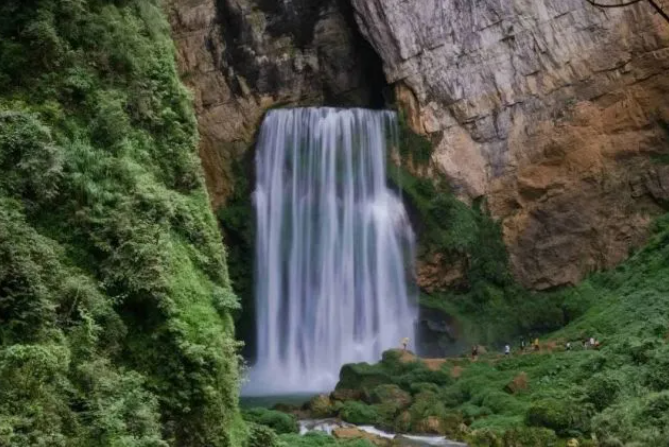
{"x": 518, "y": 384}
{"x": 320, "y": 407}
{"x": 352, "y": 433}
{"x": 391, "y": 395}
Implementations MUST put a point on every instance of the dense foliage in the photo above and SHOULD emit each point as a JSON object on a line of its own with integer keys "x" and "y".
{"x": 617, "y": 393}
{"x": 115, "y": 325}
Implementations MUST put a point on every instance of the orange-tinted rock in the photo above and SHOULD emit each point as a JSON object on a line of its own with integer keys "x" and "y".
{"x": 351, "y": 433}
{"x": 240, "y": 58}
{"x": 518, "y": 384}
{"x": 551, "y": 110}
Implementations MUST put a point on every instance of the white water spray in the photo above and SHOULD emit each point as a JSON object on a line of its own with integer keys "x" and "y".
{"x": 334, "y": 248}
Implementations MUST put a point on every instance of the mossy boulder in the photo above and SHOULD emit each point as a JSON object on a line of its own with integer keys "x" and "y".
{"x": 281, "y": 423}
{"x": 391, "y": 395}
{"x": 426, "y": 404}
{"x": 484, "y": 438}
{"x": 451, "y": 425}
{"x": 359, "y": 413}
{"x": 402, "y": 422}
{"x": 321, "y": 406}
{"x": 518, "y": 384}
{"x": 359, "y": 379}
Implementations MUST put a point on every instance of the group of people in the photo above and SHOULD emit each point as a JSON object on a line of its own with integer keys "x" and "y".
{"x": 591, "y": 343}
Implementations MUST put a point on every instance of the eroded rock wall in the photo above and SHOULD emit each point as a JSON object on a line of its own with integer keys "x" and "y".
{"x": 241, "y": 57}
{"x": 553, "y": 110}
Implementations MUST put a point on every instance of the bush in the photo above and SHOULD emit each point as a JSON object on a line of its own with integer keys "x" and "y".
{"x": 602, "y": 390}
{"x": 530, "y": 437}
{"x": 564, "y": 417}
{"x": 316, "y": 439}
{"x": 261, "y": 436}
{"x": 485, "y": 438}
{"x": 417, "y": 388}
{"x": 281, "y": 423}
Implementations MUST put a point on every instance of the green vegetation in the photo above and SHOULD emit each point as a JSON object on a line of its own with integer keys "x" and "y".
{"x": 237, "y": 221}
{"x": 281, "y": 423}
{"x": 315, "y": 439}
{"x": 115, "y": 326}
{"x": 617, "y": 393}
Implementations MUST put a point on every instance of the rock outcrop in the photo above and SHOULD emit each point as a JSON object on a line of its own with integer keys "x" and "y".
{"x": 554, "y": 110}
{"x": 241, "y": 57}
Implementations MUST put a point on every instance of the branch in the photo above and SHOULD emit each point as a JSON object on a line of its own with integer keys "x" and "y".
{"x": 653, "y": 3}
{"x": 620, "y": 5}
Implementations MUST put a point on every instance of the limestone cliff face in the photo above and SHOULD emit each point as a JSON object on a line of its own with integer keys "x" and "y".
{"x": 552, "y": 109}
{"x": 241, "y": 57}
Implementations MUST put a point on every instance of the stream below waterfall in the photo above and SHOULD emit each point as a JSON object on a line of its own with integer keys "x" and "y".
{"x": 329, "y": 425}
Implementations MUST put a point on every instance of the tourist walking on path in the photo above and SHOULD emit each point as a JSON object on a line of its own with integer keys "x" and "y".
{"x": 507, "y": 350}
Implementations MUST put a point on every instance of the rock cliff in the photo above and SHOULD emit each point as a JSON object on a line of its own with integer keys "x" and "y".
{"x": 555, "y": 111}
{"x": 242, "y": 57}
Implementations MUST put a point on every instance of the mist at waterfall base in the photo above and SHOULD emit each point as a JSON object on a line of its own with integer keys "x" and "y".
{"x": 334, "y": 248}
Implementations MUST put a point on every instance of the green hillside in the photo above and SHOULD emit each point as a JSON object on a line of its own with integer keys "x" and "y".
{"x": 115, "y": 326}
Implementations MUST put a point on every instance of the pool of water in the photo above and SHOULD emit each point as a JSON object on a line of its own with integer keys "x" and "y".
{"x": 296, "y": 400}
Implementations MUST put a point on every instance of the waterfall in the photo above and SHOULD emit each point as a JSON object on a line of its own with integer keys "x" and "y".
{"x": 334, "y": 248}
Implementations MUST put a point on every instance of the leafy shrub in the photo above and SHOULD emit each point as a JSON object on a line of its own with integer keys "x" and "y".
{"x": 416, "y": 388}
{"x": 564, "y": 417}
{"x": 316, "y": 439}
{"x": 530, "y": 437}
{"x": 261, "y": 436}
{"x": 602, "y": 390}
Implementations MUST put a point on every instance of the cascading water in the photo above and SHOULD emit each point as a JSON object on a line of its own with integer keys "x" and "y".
{"x": 334, "y": 248}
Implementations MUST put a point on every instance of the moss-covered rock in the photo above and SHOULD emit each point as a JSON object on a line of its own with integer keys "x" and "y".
{"x": 359, "y": 413}
{"x": 391, "y": 395}
{"x": 321, "y": 406}
{"x": 360, "y": 379}
{"x": 281, "y": 423}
